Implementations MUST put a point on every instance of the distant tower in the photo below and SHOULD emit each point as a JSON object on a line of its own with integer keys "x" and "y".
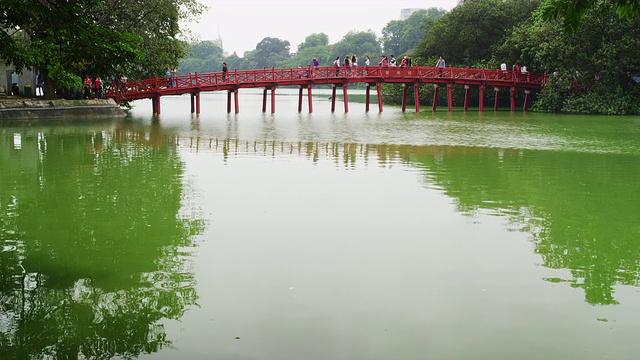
{"x": 405, "y": 13}
{"x": 218, "y": 41}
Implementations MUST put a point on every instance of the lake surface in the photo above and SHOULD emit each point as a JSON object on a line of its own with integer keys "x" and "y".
{"x": 491, "y": 235}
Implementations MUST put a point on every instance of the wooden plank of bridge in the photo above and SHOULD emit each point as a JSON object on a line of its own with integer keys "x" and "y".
{"x": 450, "y": 96}
{"x": 497, "y": 101}
{"x": 527, "y": 99}
{"x": 513, "y": 98}
{"x": 310, "y": 98}
{"x": 228, "y": 101}
{"x": 482, "y": 88}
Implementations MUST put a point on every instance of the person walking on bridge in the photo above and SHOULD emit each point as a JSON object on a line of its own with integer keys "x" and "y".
{"x": 225, "y": 70}
{"x": 336, "y": 65}
{"x": 441, "y": 65}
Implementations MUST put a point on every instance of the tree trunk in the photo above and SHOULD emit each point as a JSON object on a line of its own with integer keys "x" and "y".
{"x": 49, "y": 89}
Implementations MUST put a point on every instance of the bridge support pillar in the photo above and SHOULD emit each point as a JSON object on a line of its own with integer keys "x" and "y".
{"x": 405, "y": 90}
{"x": 436, "y": 94}
{"x": 497, "y": 101}
{"x": 346, "y": 97}
{"x": 264, "y": 100}
{"x": 273, "y": 100}
{"x": 450, "y": 96}
{"x": 333, "y": 98}
{"x": 300, "y": 99}
{"x": 155, "y": 103}
{"x": 379, "y": 89}
{"x": 195, "y": 107}
{"x": 366, "y": 100}
{"x": 300, "y": 92}
{"x": 466, "y": 98}
{"x": 527, "y": 99}
{"x": 416, "y": 88}
{"x": 236, "y": 101}
{"x": 513, "y": 98}
{"x": 482, "y": 88}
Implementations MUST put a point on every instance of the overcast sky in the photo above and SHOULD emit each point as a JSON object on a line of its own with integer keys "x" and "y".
{"x": 242, "y": 24}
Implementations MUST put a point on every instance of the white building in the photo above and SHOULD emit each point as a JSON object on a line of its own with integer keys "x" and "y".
{"x": 405, "y": 13}
{"x": 9, "y": 76}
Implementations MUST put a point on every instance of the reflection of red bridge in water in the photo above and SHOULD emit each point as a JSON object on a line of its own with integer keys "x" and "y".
{"x": 306, "y": 78}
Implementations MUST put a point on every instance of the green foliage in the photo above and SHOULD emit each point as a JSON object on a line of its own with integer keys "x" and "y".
{"x": 360, "y": 43}
{"x": 105, "y": 37}
{"x": 269, "y": 52}
{"x": 305, "y": 57}
{"x": 206, "y": 56}
{"x": 572, "y": 12}
{"x": 471, "y": 32}
{"x": 401, "y": 36}
{"x": 314, "y": 40}
{"x": 594, "y": 66}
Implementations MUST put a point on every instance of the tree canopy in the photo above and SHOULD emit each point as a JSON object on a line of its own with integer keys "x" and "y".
{"x": 402, "y": 36}
{"x": 466, "y": 38}
{"x": 63, "y": 39}
{"x": 572, "y": 12}
{"x": 593, "y": 70}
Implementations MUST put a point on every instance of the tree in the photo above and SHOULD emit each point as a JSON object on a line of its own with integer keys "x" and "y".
{"x": 270, "y": 51}
{"x": 305, "y": 57}
{"x": 416, "y": 26}
{"x": 470, "y": 32}
{"x": 314, "y": 40}
{"x": 361, "y": 43}
{"x": 391, "y": 35}
{"x": 61, "y": 39}
{"x": 594, "y": 69}
{"x": 571, "y": 13}
{"x": 400, "y": 36}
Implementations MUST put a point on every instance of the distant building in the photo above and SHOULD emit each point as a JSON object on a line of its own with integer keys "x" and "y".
{"x": 405, "y": 13}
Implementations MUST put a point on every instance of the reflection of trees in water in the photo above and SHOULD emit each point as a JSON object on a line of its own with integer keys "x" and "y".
{"x": 581, "y": 214}
{"x": 90, "y": 244}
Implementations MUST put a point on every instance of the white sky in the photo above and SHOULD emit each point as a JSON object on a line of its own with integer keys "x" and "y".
{"x": 242, "y": 24}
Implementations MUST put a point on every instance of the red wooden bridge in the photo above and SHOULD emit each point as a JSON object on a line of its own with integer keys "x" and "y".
{"x": 306, "y": 78}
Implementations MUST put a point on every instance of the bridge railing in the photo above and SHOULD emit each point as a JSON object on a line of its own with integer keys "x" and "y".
{"x": 285, "y": 76}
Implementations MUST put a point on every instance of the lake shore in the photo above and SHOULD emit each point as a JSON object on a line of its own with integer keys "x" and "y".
{"x": 30, "y": 109}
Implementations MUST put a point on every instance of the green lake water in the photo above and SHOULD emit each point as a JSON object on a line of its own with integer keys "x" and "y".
{"x": 491, "y": 235}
